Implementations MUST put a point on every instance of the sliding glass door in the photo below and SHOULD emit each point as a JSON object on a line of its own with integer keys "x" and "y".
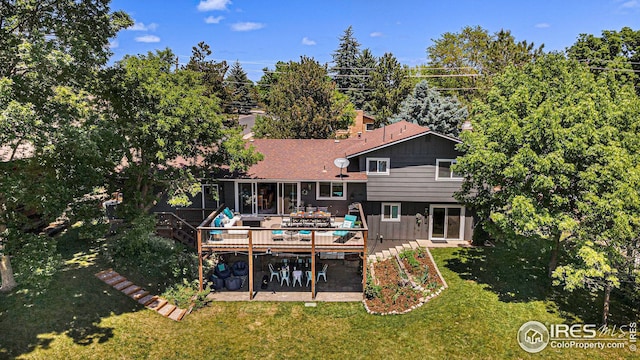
{"x": 447, "y": 222}
{"x": 287, "y": 197}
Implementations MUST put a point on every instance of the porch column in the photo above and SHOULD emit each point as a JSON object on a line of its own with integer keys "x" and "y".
{"x": 313, "y": 265}
{"x": 199, "y": 237}
{"x": 250, "y": 265}
{"x": 365, "y": 258}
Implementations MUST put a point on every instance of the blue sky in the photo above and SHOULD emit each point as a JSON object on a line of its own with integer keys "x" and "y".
{"x": 259, "y": 33}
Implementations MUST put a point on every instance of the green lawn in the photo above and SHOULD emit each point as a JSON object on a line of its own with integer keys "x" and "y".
{"x": 491, "y": 294}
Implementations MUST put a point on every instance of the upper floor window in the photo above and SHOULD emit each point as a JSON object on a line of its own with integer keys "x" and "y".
{"x": 378, "y": 166}
{"x": 370, "y": 126}
{"x": 443, "y": 170}
{"x": 329, "y": 190}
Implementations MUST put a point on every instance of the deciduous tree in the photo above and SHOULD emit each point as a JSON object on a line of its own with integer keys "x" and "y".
{"x": 389, "y": 85}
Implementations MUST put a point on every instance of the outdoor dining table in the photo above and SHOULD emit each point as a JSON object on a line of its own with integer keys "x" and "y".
{"x": 318, "y": 218}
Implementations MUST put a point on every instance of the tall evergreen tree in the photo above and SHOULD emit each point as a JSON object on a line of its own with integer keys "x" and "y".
{"x": 366, "y": 64}
{"x": 304, "y": 104}
{"x": 239, "y": 88}
{"x": 390, "y": 85}
{"x": 345, "y": 69}
{"x": 212, "y": 73}
{"x": 425, "y": 106}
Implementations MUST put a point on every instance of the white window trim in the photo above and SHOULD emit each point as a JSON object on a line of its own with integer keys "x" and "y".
{"x": 451, "y": 178}
{"x": 344, "y": 191}
{"x": 382, "y": 218}
{"x": 447, "y": 206}
{"x": 387, "y": 160}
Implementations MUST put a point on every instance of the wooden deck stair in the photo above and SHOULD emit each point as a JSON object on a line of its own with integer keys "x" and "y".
{"x": 152, "y": 302}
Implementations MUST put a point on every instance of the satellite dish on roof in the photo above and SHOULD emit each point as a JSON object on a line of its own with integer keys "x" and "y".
{"x": 341, "y": 163}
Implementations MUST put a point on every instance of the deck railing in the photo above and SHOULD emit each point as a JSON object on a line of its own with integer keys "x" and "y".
{"x": 171, "y": 225}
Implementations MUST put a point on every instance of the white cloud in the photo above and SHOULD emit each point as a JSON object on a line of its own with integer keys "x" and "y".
{"x": 213, "y": 19}
{"x": 376, "y": 34}
{"x": 246, "y": 26}
{"x": 148, "y": 39}
{"x": 630, "y": 4}
{"x": 542, "y": 25}
{"x": 113, "y": 44}
{"x": 139, "y": 26}
{"x": 211, "y": 5}
{"x": 307, "y": 41}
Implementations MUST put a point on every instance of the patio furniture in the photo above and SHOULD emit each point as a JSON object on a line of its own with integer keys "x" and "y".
{"x": 349, "y": 222}
{"x": 284, "y": 276}
{"x": 308, "y": 275}
{"x": 216, "y": 282}
{"x": 273, "y": 273}
{"x": 277, "y": 235}
{"x": 297, "y": 276}
{"x": 240, "y": 268}
{"x": 323, "y": 273}
{"x": 233, "y": 283}
{"x": 222, "y": 271}
{"x": 305, "y": 235}
{"x": 215, "y": 235}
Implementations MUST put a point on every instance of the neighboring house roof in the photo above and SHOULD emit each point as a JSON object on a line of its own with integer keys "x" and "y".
{"x": 312, "y": 159}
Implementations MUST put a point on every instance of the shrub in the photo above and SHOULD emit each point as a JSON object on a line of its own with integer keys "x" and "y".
{"x": 185, "y": 294}
{"x": 425, "y": 275}
{"x": 371, "y": 290}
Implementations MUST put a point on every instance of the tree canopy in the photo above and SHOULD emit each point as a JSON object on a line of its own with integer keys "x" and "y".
{"x": 389, "y": 85}
{"x": 240, "y": 89}
{"x": 170, "y": 131}
{"x": 49, "y": 52}
{"x": 303, "y": 103}
{"x": 427, "y": 107}
{"x": 547, "y": 159}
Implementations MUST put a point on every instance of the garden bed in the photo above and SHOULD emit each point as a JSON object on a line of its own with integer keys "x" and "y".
{"x": 402, "y": 283}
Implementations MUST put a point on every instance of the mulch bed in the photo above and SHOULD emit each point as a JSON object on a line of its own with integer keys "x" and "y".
{"x": 396, "y": 294}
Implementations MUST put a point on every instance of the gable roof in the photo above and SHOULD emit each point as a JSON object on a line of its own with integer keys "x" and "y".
{"x": 312, "y": 159}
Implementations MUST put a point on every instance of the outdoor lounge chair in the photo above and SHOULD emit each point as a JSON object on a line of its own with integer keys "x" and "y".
{"x": 240, "y": 268}
{"x": 233, "y": 283}
{"x": 222, "y": 271}
{"x": 216, "y": 282}
{"x": 349, "y": 222}
{"x": 305, "y": 235}
{"x": 277, "y": 235}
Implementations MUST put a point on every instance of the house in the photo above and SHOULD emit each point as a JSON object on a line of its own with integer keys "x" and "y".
{"x": 362, "y": 123}
{"x": 400, "y": 173}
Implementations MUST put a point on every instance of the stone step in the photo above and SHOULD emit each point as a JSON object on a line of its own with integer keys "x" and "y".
{"x": 380, "y": 255}
{"x": 166, "y": 309}
{"x": 414, "y": 245}
{"x": 114, "y": 280}
{"x": 406, "y": 246}
{"x": 393, "y": 251}
{"x": 386, "y": 254}
{"x": 131, "y": 289}
{"x": 400, "y": 249}
{"x": 157, "y": 304}
{"x": 139, "y": 294}
{"x": 145, "y": 300}
{"x": 423, "y": 243}
{"x": 122, "y": 285}
{"x": 372, "y": 259}
{"x": 177, "y": 314}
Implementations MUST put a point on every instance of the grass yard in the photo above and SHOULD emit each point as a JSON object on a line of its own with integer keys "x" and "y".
{"x": 491, "y": 294}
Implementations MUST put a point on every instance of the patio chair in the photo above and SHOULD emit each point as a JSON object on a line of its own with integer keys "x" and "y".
{"x": 305, "y": 235}
{"x": 349, "y": 222}
{"x": 277, "y": 235}
{"x": 240, "y": 268}
{"x": 297, "y": 276}
{"x": 216, "y": 282}
{"x": 222, "y": 271}
{"x": 233, "y": 283}
{"x": 284, "y": 273}
{"x": 323, "y": 273}
{"x": 307, "y": 274}
{"x": 273, "y": 273}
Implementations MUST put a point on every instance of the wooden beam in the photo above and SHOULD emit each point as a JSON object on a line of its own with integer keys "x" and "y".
{"x": 250, "y": 265}
{"x": 365, "y": 233}
{"x": 200, "y": 279}
{"x": 313, "y": 265}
